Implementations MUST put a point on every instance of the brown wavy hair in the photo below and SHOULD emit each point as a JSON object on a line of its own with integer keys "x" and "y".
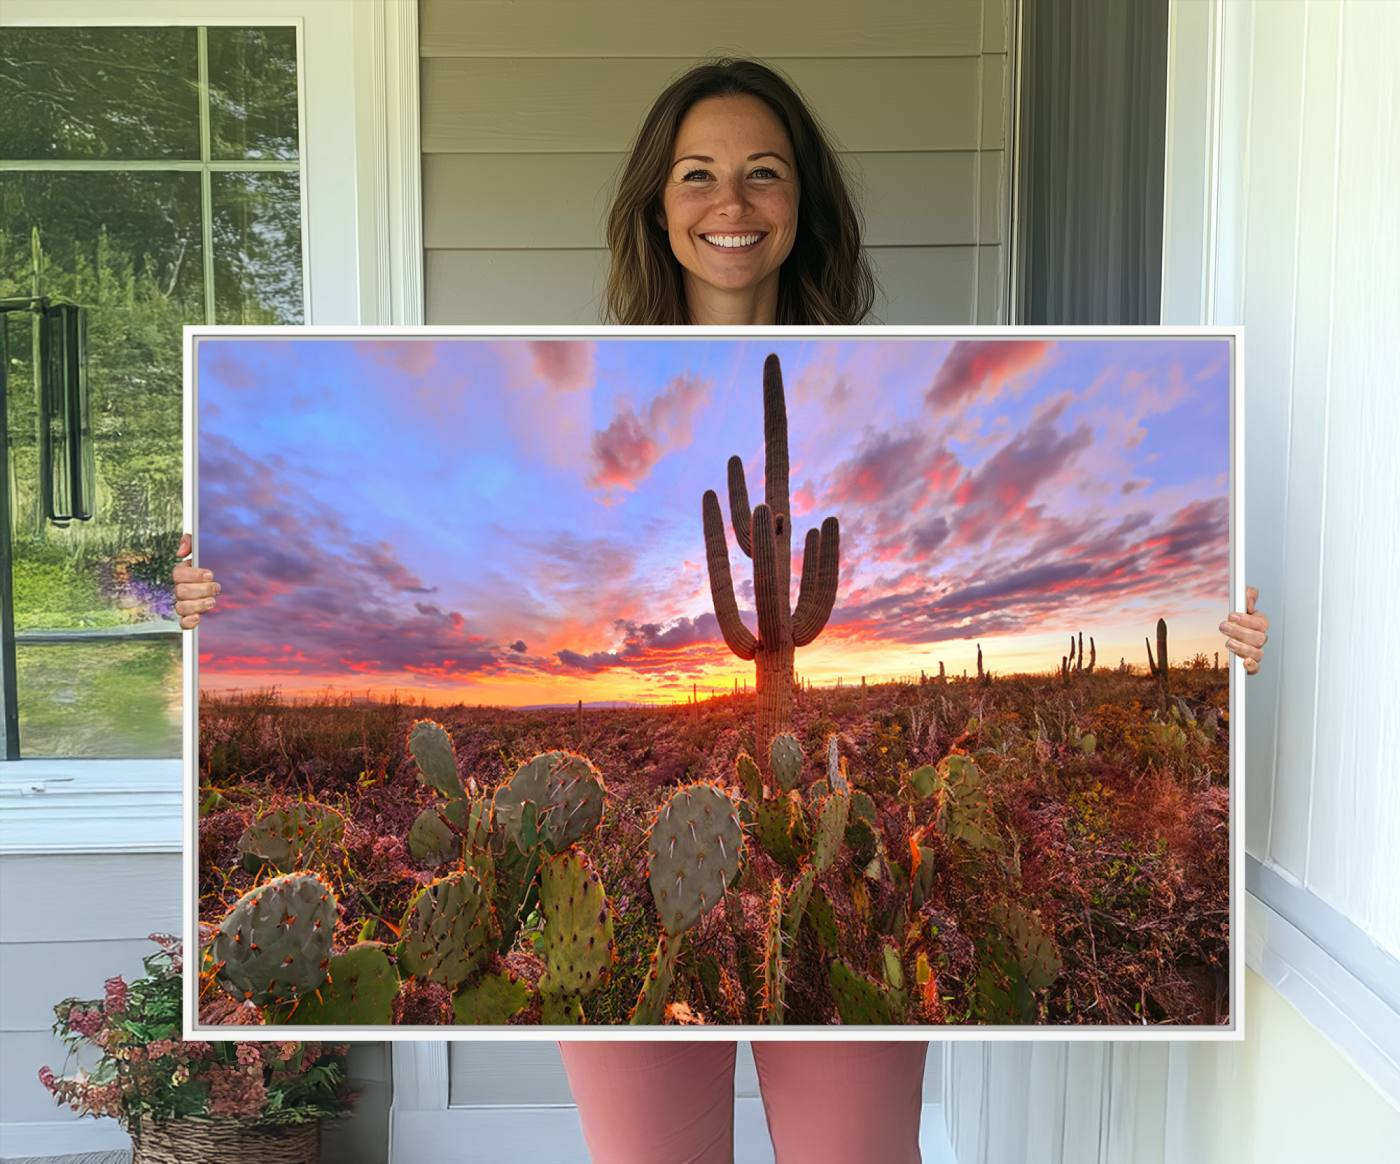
{"x": 826, "y": 279}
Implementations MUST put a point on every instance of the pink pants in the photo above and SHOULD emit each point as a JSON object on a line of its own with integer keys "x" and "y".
{"x": 673, "y": 1102}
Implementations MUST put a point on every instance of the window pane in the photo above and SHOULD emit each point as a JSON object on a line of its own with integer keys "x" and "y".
{"x": 257, "y": 248}
{"x": 107, "y": 700}
{"x": 99, "y": 93}
{"x": 253, "y": 93}
{"x": 127, "y": 246}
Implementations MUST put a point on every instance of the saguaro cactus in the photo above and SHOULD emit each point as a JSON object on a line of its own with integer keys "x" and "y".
{"x": 1158, "y": 666}
{"x": 765, "y": 535}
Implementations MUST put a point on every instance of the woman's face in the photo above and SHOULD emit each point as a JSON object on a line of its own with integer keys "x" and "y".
{"x": 730, "y": 199}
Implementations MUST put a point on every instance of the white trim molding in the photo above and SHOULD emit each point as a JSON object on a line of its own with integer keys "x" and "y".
{"x": 1339, "y": 979}
{"x": 390, "y": 162}
{"x": 90, "y": 806}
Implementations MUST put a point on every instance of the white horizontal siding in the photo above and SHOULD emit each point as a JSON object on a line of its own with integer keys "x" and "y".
{"x": 658, "y": 28}
{"x": 480, "y": 286}
{"x": 527, "y": 111}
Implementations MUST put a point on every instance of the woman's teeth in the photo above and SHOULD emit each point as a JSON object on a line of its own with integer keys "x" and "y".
{"x": 731, "y": 241}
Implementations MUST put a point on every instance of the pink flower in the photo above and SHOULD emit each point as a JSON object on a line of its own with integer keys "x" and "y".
{"x": 249, "y": 1055}
{"x": 116, "y": 995}
{"x": 47, "y": 1078}
{"x": 85, "y": 1022}
{"x": 234, "y": 1091}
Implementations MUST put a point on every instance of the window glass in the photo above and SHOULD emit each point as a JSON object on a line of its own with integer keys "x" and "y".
{"x": 74, "y": 93}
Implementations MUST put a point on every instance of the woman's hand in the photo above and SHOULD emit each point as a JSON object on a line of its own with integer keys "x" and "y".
{"x": 194, "y": 589}
{"x": 1246, "y": 634}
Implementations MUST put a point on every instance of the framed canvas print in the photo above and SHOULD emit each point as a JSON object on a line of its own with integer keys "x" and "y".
{"x": 605, "y": 681}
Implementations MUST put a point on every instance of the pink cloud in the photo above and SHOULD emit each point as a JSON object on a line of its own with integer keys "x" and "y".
{"x": 975, "y": 368}
{"x": 625, "y": 452}
{"x": 565, "y": 365}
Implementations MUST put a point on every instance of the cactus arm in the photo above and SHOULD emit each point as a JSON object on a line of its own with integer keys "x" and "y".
{"x": 765, "y": 579}
{"x": 1151, "y": 664}
{"x": 739, "y": 505}
{"x": 739, "y": 638}
{"x": 811, "y": 552}
{"x": 809, "y": 619}
{"x": 775, "y": 439}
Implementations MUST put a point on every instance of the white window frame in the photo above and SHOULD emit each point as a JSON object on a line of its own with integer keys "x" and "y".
{"x": 1339, "y": 979}
{"x": 362, "y": 264}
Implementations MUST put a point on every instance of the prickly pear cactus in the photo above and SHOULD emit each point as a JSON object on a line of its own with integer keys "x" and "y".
{"x": 694, "y": 849}
{"x": 820, "y": 918}
{"x": 750, "y": 779}
{"x": 566, "y": 789}
{"x": 292, "y": 838}
{"x": 773, "y": 1005}
{"x": 361, "y": 989}
{"x": 831, "y": 829}
{"x": 274, "y": 946}
{"x": 431, "y": 841}
{"x": 651, "y": 1002}
{"x": 965, "y": 810}
{"x": 1033, "y": 946}
{"x": 449, "y": 930}
{"x": 431, "y": 748}
{"x": 492, "y": 999}
{"x": 578, "y": 933}
{"x": 861, "y": 1002}
{"x": 835, "y": 765}
{"x": 777, "y": 824}
{"x": 1019, "y": 958}
{"x": 785, "y": 757}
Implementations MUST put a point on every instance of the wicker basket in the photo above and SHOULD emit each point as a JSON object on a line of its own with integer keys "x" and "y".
{"x": 202, "y": 1140}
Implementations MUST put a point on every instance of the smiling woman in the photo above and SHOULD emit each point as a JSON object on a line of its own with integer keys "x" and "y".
{"x": 727, "y": 152}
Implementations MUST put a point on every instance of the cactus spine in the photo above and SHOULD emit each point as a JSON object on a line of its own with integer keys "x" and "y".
{"x": 765, "y": 535}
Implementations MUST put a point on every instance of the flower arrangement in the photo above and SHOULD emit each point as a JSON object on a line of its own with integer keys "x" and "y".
{"x": 146, "y": 1072}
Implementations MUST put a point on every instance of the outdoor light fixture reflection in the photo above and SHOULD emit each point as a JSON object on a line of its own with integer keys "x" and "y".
{"x": 66, "y": 464}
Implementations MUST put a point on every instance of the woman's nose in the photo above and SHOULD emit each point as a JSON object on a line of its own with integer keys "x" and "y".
{"x": 731, "y": 195}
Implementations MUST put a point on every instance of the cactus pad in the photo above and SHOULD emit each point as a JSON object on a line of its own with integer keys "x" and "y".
{"x": 431, "y": 748}
{"x": 694, "y": 850}
{"x": 859, "y": 1002}
{"x": 835, "y": 766}
{"x": 830, "y": 830}
{"x": 492, "y": 1000}
{"x": 776, "y": 824}
{"x": 651, "y": 1002}
{"x": 785, "y": 757}
{"x": 275, "y": 944}
{"x": 289, "y": 839}
{"x": 965, "y": 810}
{"x": 361, "y": 991}
{"x": 448, "y": 929}
{"x": 821, "y": 919}
{"x": 578, "y": 926}
{"x": 750, "y": 779}
{"x": 774, "y": 965}
{"x": 430, "y": 840}
{"x": 568, "y": 792}
{"x": 1033, "y": 947}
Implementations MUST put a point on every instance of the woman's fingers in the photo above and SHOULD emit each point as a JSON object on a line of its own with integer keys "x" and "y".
{"x": 1251, "y": 666}
{"x": 1249, "y": 631}
{"x": 195, "y": 606}
{"x": 197, "y": 589}
{"x": 1244, "y": 650}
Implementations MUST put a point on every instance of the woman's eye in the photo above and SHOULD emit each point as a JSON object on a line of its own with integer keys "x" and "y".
{"x": 690, "y": 174}
{"x": 766, "y": 170}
